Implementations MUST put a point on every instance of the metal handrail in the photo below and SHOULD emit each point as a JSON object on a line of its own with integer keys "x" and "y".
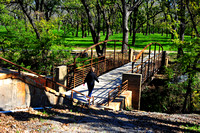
{"x": 99, "y": 44}
{"x": 99, "y": 62}
{"x": 138, "y": 56}
{"x": 110, "y": 99}
{"x": 40, "y": 76}
{"x": 142, "y": 52}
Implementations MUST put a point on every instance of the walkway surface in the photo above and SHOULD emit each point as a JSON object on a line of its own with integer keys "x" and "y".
{"x": 107, "y": 82}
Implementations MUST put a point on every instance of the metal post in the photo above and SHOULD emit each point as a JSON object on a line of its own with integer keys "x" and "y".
{"x": 114, "y": 52}
{"x": 72, "y": 94}
{"x": 118, "y": 61}
{"x": 129, "y": 54}
{"x": 142, "y": 63}
{"x": 149, "y": 60}
{"x": 133, "y": 65}
{"x": 74, "y": 71}
{"x": 154, "y": 59}
{"x": 98, "y": 73}
{"x": 159, "y": 57}
{"x": 91, "y": 56}
{"x": 122, "y": 58}
{"x": 105, "y": 61}
{"x": 83, "y": 74}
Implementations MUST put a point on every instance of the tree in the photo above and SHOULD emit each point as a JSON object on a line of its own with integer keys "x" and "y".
{"x": 194, "y": 14}
{"x": 34, "y": 42}
{"x": 149, "y": 13}
{"x": 126, "y": 10}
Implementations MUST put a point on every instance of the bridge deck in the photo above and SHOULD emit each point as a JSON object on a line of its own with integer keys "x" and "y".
{"x": 107, "y": 82}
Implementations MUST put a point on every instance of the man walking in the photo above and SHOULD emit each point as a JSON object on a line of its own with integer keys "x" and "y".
{"x": 90, "y": 79}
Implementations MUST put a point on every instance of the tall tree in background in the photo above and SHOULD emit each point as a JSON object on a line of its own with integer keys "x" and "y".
{"x": 95, "y": 32}
{"x": 182, "y": 19}
{"x": 194, "y": 11}
{"x": 127, "y": 8}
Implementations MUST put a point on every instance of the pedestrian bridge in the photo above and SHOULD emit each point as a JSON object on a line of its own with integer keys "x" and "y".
{"x": 111, "y": 68}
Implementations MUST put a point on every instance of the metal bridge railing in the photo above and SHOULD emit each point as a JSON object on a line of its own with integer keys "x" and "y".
{"x": 77, "y": 71}
{"x": 151, "y": 65}
{"x": 116, "y": 92}
{"x": 42, "y": 85}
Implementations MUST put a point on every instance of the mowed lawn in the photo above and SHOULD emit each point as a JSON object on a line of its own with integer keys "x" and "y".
{"x": 140, "y": 43}
{"x": 141, "y": 40}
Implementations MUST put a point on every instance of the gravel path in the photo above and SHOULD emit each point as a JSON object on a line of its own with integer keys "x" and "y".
{"x": 77, "y": 119}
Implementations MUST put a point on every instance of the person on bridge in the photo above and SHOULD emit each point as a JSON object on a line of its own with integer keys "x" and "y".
{"x": 90, "y": 79}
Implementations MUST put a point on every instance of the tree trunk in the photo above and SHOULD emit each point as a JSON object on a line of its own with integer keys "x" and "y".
{"x": 125, "y": 16}
{"x": 182, "y": 25}
{"x": 134, "y": 26}
{"x": 30, "y": 19}
{"x": 131, "y": 23}
{"x": 192, "y": 19}
{"x": 88, "y": 29}
{"x": 188, "y": 93}
{"x": 82, "y": 28}
{"x": 103, "y": 27}
{"x": 59, "y": 25}
{"x": 143, "y": 29}
{"x": 85, "y": 30}
{"x": 77, "y": 27}
{"x": 95, "y": 37}
{"x": 153, "y": 27}
{"x": 149, "y": 29}
{"x": 147, "y": 18}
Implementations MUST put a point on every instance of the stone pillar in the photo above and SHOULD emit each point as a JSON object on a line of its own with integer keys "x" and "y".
{"x": 131, "y": 55}
{"x": 163, "y": 59}
{"x": 134, "y": 85}
{"x": 61, "y": 77}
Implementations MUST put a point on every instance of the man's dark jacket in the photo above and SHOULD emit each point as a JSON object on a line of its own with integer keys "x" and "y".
{"x": 90, "y": 78}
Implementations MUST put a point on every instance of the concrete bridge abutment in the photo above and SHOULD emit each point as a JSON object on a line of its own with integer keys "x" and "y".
{"x": 134, "y": 85}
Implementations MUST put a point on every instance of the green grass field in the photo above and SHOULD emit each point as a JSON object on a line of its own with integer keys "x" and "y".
{"x": 141, "y": 40}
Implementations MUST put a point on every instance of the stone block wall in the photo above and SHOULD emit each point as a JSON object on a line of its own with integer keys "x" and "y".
{"x": 15, "y": 93}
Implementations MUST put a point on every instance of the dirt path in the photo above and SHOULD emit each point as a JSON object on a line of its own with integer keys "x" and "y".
{"x": 76, "y": 119}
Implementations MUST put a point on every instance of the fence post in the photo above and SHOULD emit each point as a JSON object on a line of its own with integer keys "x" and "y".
{"x": 133, "y": 63}
{"x": 142, "y": 63}
{"x": 61, "y": 73}
{"x": 91, "y": 56}
{"x": 114, "y": 52}
{"x": 131, "y": 55}
{"x": 149, "y": 61}
{"x": 163, "y": 58}
{"x": 118, "y": 61}
{"x": 83, "y": 74}
{"x": 123, "y": 58}
{"x": 154, "y": 59}
{"x": 98, "y": 72}
{"x": 74, "y": 71}
{"x": 72, "y": 94}
{"x": 105, "y": 60}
